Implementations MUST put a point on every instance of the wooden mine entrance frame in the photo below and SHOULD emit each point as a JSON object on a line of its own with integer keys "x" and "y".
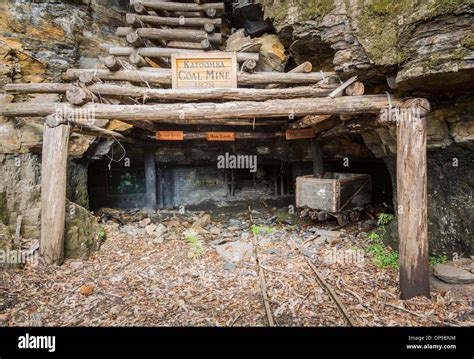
{"x": 245, "y": 106}
{"x": 411, "y": 161}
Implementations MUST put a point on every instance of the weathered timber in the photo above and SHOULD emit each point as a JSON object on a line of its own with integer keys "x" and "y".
{"x": 209, "y": 28}
{"x": 263, "y": 78}
{"x": 211, "y": 111}
{"x": 309, "y": 121}
{"x": 176, "y": 6}
{"x": 150, "y": 177}
{"x": 249, "y": 66}
{"x": 342, "y": 87}
{"x": 167, "y": 52}
{"x": 355, "y": 89}
{"x": 412, "y": 200}
{"x": 211, "y": 12}
{"x": 137, "y": 60}
{"x": 146, "y": 94}
{"x": 318, "y": 158}
{"x": 203, "y": 45}
{"x": 136, "y": 20}
{"x": 53, "y": 192}
{"x": 305, "y": 67}
{"x": 189, "y": 35}
{"x": 158, "y": 77}
{"x": 87, "y": 77}
{"x": 44, "y": 87}
{"x": 163, "y": 76}
{"x": 92, "y": 130}
{"x": 112, "y": 63}
{"x": 78, "y": 96}
{"x": 134, "y": 39}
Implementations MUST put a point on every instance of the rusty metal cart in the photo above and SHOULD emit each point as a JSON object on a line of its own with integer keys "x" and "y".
{"x": 339, "y": 195}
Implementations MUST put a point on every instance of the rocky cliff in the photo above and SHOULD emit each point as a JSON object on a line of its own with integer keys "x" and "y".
{"x": 38, "y": 42}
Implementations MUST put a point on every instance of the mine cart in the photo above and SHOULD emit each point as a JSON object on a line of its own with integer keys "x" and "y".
{"x": 340, "y": 195}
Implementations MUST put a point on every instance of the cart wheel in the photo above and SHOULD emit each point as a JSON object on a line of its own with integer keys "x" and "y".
{"x": 343, "y": 219}
{"x": 354, "y": 216}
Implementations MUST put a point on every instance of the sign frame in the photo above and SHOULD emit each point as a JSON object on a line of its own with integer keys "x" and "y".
{"x": 300, "y": 134}
{"x": 220, "y": 136}
{"x": 169, "y": 135}
{"x": 204, "y": 55}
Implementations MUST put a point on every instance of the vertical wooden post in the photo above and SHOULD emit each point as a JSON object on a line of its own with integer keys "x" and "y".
{"x": 150, "y": 178}
{"x": 53, "y": 190}
{"x": 412, "y": 200}
{"x": 318, "y": 158}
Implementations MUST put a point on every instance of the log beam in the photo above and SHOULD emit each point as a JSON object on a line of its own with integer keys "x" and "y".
{"x": 176, "y": 6}
{"x": 146, "y": 94}
{"x": 189, "y": 35}
{"x": 136, "y": 20}
{"x": 164, "y": 113}
{"x": 412, "y": 199}
{"x": 163, "y": 76}
{"x": 167, "y": 52}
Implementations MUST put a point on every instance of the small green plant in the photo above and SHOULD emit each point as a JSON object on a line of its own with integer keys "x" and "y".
{"x": 385, "y": 218}
{"x": 102, "y": 235}
{"x": 438, "y": 259}
{"x": 259, "y": 229}
{"x": 196, "y": 248}
{"x": 383, "y": 256}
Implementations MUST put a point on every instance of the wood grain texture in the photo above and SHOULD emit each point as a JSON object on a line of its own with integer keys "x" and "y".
{"x": 53, "y": 192}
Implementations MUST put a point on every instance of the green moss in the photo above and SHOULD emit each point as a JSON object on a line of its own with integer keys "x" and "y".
{"x": 382, "y": 24}
{"x": 3, "y": 210}
{"x": 468, "y": 42}
{"x": 279, "y": 10}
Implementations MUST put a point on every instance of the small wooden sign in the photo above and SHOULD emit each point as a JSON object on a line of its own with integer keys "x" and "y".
{"x": 169, "y": 135}
{"x": 204, "y": 70}
{"x": 300, "y": 134}
{"x": 221, "y": 136}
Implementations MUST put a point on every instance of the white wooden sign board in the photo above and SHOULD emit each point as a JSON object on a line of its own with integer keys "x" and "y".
{"x": 204, "y": 70}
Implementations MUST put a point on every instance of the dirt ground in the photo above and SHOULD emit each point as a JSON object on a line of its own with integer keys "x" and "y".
{"x": 138, "y": 279}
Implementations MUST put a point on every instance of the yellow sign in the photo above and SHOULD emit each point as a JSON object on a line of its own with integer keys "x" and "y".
{"x": 204, "y": 70}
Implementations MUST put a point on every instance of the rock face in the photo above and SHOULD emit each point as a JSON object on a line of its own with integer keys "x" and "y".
{"x": 38, "y": 41}
{"x": 420, "y": 43}
{"x": 83, "y": 234}
{"x": 20, "y": 195}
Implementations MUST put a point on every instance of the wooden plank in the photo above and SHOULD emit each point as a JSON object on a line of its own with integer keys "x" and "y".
{"x": 412, "y": 202}
{"x": 300, "y": 134}
{"x": 150, "y": 177}
{"x": 169, "y": 135}
{"x": 340, "y": 89}
{"x": 53, "y": 192}
{"x": 221, "y": 136}
{"x": 204, "y": 71}
{"x": 318, "y": 157}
